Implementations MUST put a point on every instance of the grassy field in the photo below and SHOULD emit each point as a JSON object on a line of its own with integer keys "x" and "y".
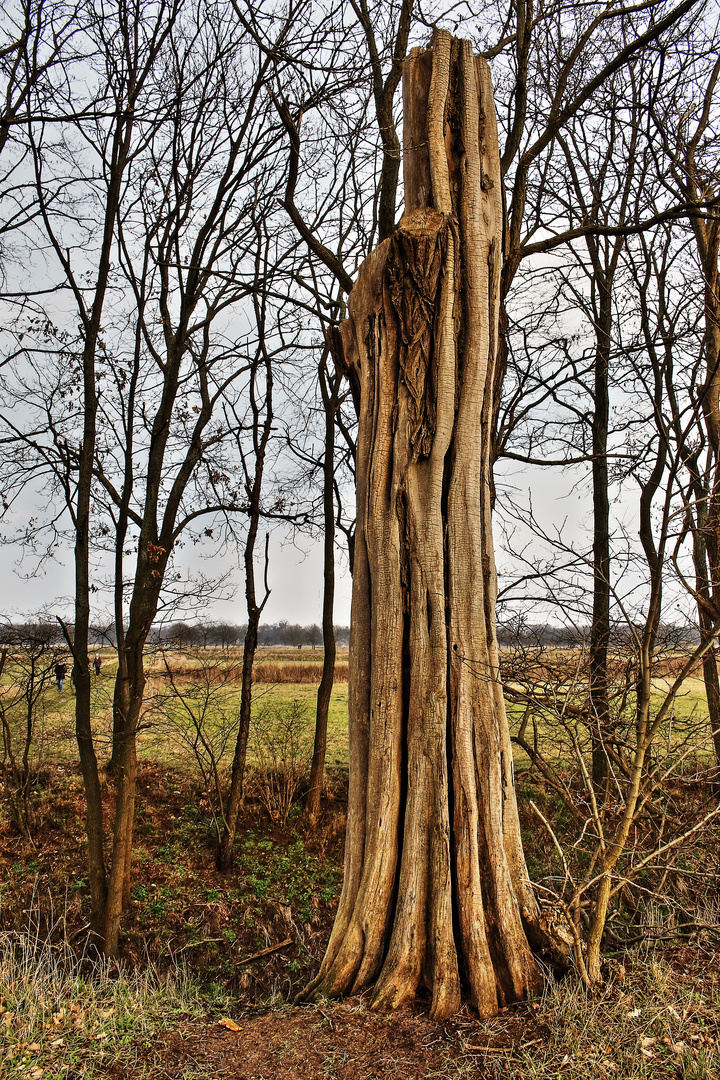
{"x": 210, "y": 961}
{"x": 210, "y": 681}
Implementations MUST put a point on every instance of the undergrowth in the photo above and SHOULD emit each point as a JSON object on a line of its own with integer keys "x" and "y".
{"x": 654, "y": 1018}
{"x": 65, "y": 1012}
{"x": 648, "y": 1023}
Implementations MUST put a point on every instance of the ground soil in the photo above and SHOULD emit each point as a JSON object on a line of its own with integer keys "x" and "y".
{"x": 254, "y": 936}
{"x": 342, "y": 1041}
{"x": 283, "y": 885}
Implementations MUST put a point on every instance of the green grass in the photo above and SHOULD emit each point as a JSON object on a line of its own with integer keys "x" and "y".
{"x": 690, "y": 701}
{"x": 55, "y": 716}
{"x": 54, "y": 735}
{"x": 337, "y": 739}
{"x": 686, "y": 726}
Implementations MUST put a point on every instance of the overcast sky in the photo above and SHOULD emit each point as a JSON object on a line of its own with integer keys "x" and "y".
{"x": 295, "y": 578}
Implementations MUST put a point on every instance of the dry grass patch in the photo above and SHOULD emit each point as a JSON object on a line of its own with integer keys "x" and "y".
{"x": 653, "y": 1020}
{"x": 295, "y": 673}
{"x": 65, "y": 1013}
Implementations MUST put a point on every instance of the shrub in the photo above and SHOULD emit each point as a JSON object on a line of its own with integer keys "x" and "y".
{"x": 280, "y": 742}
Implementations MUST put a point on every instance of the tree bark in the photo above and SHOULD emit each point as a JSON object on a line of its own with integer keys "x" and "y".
{"x": 127, "y": 706}
{"x": 435, "y": 879}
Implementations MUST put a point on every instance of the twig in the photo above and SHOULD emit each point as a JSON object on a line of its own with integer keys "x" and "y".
{"x": 671, "y": 843}
{"x": 197, "y": 944}
{"x": 266, "y": 952}
{"x": 555, "y": 841}
{"x": 567, "y": 909}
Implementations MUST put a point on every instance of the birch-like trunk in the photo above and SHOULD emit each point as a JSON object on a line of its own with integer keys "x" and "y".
{"x": 435, "y": 879}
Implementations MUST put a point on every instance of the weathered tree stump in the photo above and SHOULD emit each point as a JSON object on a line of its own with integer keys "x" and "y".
{"x": 435, "y": 876}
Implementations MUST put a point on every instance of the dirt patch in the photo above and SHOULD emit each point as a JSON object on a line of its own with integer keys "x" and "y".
{"x": 341, "y": 1042}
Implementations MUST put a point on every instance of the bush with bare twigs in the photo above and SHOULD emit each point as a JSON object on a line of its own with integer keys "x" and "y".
{"x": 281, "y": 745}
{"x": 627, "y": 844}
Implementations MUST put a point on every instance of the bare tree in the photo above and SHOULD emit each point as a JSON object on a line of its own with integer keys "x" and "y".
{"x": 147, "y": 454}
{"x": 603, "y": 157}
{"x": 27, "y": 662}
{"x": 209, "y": 245}
{"x": 261, "y": 405}
{"x": 40, "y": 45}
{"x": 126, "y": 60}
{"x": 330, "y": 383}
{"x": 687, "y": 121}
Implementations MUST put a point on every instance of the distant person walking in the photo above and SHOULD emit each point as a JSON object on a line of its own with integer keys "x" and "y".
{"x": 97, "y": 663}
{"x": 60, "y": 674}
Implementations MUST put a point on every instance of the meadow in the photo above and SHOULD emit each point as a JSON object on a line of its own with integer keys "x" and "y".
{"x": 209, "y": 681}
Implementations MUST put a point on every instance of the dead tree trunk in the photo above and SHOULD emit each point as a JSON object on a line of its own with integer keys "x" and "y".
{"x": 435, "y": 879}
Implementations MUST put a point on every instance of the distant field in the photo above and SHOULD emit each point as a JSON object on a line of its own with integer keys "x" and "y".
{"x": 208, "y": 680}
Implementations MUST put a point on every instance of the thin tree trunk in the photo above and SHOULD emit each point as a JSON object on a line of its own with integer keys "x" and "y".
{"x": 127, "y": 705}
{"x": 697, "y": 185}
{"x": 261, "y": 437}
{"x": 712, "y": 689}
{"x": 704, "y": 510}
{"x": 118, "y": 895}
{"x": 435, "y": 878}
{"x": 86, "y": 462}
{"x": 329, "y": 389}
{"x": 237, "y": 792}
{"x": 706, "y": 610}
{"x": 600, "y": 628}
{"x": 708, "y": 245}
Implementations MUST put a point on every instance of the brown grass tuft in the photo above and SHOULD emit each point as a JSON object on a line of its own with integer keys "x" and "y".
{"x": 295, "y": 673}
{"x": 263, "y": 672}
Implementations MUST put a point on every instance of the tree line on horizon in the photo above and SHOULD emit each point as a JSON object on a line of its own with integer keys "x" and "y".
{"x": 220, "y": 634}
{"x": 228, "y": 635}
